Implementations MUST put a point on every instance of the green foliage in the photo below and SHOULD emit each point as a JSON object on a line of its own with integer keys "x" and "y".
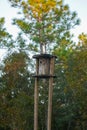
{"x": 5, "y": 37}
{"x": 16, "y": 93}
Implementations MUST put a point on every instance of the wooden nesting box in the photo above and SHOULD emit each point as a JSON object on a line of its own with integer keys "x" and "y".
{"x": 44, "y": 65}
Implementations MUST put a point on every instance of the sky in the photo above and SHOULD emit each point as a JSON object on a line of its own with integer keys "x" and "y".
{"x": 8, "y": 12}
{"x": 80, "y": 6}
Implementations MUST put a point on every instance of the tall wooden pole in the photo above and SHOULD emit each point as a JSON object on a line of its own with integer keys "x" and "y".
{"x": 50, "y": 95}
{"x": 36, "y": 105}
{"x": 50, "y": 103}
{"x": 36, "y": 98}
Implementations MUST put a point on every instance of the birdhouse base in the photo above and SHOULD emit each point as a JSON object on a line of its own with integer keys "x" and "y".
{"x": 44, "y": 76}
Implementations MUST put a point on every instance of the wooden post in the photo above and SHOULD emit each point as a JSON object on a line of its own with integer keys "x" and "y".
{"x": 50, "y": 95}
{"x": 36, "y": 99}
{"x": 50, "y": 103}
{"x": 36, "y": 105}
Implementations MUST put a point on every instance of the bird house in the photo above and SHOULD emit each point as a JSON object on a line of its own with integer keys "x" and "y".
{"x": 44, "y": 65}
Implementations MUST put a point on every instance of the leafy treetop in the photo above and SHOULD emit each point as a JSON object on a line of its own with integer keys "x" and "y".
{"x": 45, "y": 22}
{"x": 39, "y": 7}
